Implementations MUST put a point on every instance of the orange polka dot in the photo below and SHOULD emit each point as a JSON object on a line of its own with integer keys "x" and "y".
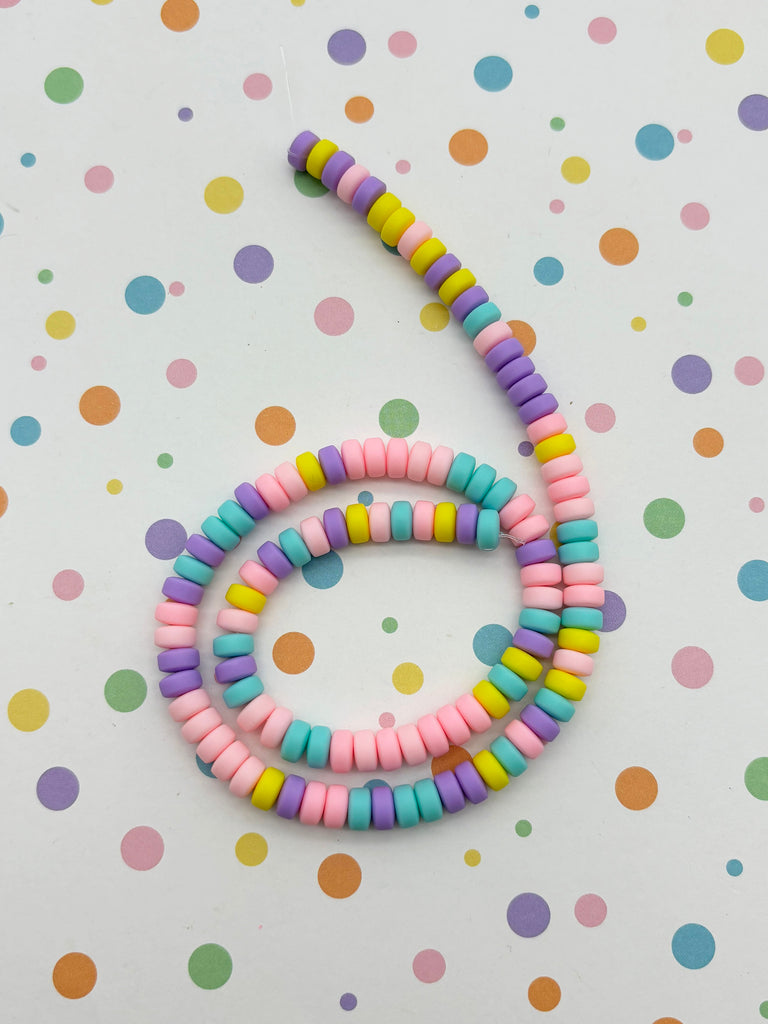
{"x": 339, "y": 876}
{"x": 448, "y": 761}
{"x": 636, "y": 788}
{"x": 293, "y": 653}
{"x": 667, "y": 1020}
{"x": 99, "y": 405}
{"x": 179, "y": 15}
{"x": 524, "y": 333}
{"x": 3, "y": 501}
{"x": 74, "y": 975}
{"x": 275, "y": 425}
{"x": 708, "y": 442}
{"x": 359, "y": 109}
{"x": 619, "y": 247}
{"x": 468, "y": 147}
{"x": 544, "y": 993}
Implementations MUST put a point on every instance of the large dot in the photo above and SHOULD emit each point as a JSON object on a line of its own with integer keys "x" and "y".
{"x": 618, "y": 246}
{"x": 493, "y": 73}
{"x": 223, "y": 195}
{"x": 753, "y": 580}
{"x": 601, "y": 30}
{"x": 691, "y": 374}
{"x": 724, "y": 46}
{"x": 693, "y": 946}
{"x": 694, "y": 216}
{"x": 524, "y": 333}
{"x": 692, "y": 667}
{"x": 528, "y": 915}
{"x": 654, "y": 142}
{"x": 575, "y": 169}
{"x": 590, "y": 910}
{"x": 600, "y": 417}
{"x": 334, "y": 316}
{"x": 28, "y": 710}
{"x": 179, "y": 15}
{"x": 68, "y": 584}
{"x": 346, "y": 46}
{"x": 25, "y": 430}
{"x": 74, "y": 975}
{"x": 636, "y": 788}
{"x": 402, "y": 44}
{"x": 165, "y": 538}
{"x": 749, "y": 370}
{"x": 429, "y": 966}
{"x": 275, "y": 425}
{"x": 407, "y": 678}
{"x": 434, "y": 316}
{"x": 358, "y": 109}
{"x": 548, "y": 270}
{"x": 142, "y": 848}
{"x": 3, "y": 501}
{"x": 125, "y": 690}
{"x": 753, "y": 112}
{"x": 708, "y": 442}
{"x": 63, "y": 85}
{"x": 253, "y": 264}
{"x": 257, "y": 86}
{"x": 99, "y": 179}
{"x": 57, "y": 788}
{"x": 523, "y": 828}
{"x": 756, "y": 778}
{"x": 348, "y": 1001}
{"x": 251, "y": 849}
{"x": 144, "y": 294}
{"x": 447, "y": 762}
{"x": 308, "y": 185}
{"x": 210, "y": 966}
{"x": 60, "y": 324}
{"x": 468, "y": 147}
{"x": 398, "y": 417}
{"x": 490, "y": 642}
{"x": 99, "y": 405}
{"x": 324, "y": 572}
{"x": 339, "y": 876}
{"x": 544, "y": 992}
{"x": 472, "y": 858}
{"x": 181, "y": 373}
{"x": 734, "y": 867}
{"x": 614, "y": 612}
{"x": 663, "y": 518}
{"x": 293, "y": 653}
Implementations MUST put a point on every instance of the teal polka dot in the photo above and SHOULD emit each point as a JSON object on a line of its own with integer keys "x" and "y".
{"x": 654, "y": 142}
{"x": 493, "y": 74}
{"x": 365, "y": 498}
{"x": 25, "y": 430}
{"x": 548, "y": 270}
{"x": 206, "y": 769}
{"x": 693, "y": 946}
{"x": 145, "y": 295}
{"x": 398, "y": 417}
{"x": 2, "y": 223}
{"x": 490, "y": 642}
{"x": 531, "y": 11}
{"x": 28, "y": 159}
{"x": 753, "y": 580}
{"x": 324, "y": 572}
{"x": 734, "y": 868}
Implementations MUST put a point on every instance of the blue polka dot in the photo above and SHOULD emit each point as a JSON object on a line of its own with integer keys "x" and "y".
{"x": 753, "y": 580}
{"x": 324, "y": 572}
{"x": 25, "y": 430}
{"x": 490, "y": 642}
{"x": 28, "y": 160}
{"x": 734, "y": 868}
{"x": 654, "y": 142}
{"x": 493, "y": 74}
{"x": 548, "y": 270}
{"x": 206, "y": 769}
{"x": 365, "y": 498}
{"x": 693, "y": 946}
{"x": 375, "y": 784}
{"x": 145, "y": 295}
{"x": 531, "y": 11}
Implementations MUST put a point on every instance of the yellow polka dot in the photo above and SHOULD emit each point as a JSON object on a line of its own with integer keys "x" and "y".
{"x": 223, "y": 195}
{"x": 114, "y": 486}
{"x": 575, "y": 170}
{"x": 60, "y": 324}
{"x": 251, "y": 849}
{"x": 434, "y": 316}
{"x": 407, "y": 678}
{"x": 28, "y": 710}
{"x": 472, "y": 858}
{"x": 637, "y": 323}
{"x": 724, "y": 46}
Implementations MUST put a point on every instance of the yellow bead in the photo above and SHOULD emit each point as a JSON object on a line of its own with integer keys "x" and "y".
{"x": 445, "y": 522}
{"x": 268, "y": 788}
{"x": 567, "y": 685}
{"x": 454, "y": 285}
{"x": 493, "y": 700}
{"x": 554, "y": 447}
{"x": 358, "y": 527}
{"x": 490, "y": 770}
{"x": 396, "y": 225}
{"x": 521, "y": 662}
{"x": 583, "y": 640}
{"x": 382, "y": 210}
{"x": 247, "y": 598}
{"x": 319, "y": 156}
{"x": 310, "y": 471}
{"x": 427, "y": 254}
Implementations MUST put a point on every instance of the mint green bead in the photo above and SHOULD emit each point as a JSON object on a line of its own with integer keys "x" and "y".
{"x": 232, "y": 645}
{"x": 401, "y": 519}
{"x": 501, "y": 492}
{"x": 428, "y": 799}
{"x": 577, "y": 529}
{"x": 582, "y": 618}
{"x": 236, "y": 517}
{"x": 554, "y": 704}
{"x": 243, "y": 691}
{"x": 193, "y": 569}
{"x": 578, "y": 551}
{"x": 406, "y": 808}
{"x": 508, "y": 756}
{"x": 480, "y": 483}
{"x": 359, "y": 810}
{"x": 488, "y": 529}
{"x": 318, "y": 746}
{"x": 508, "y": 682}
{"x": 221, "y": 535}
{"x": 295, "y": 740}
{"x": 294, "y": 548}
{"x": 462, "y": 468}
{"x": 481, "y": 316}
{"x": 539, "y": 619}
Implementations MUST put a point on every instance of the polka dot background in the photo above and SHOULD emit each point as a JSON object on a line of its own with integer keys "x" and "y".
{"x": 184, "y": 313}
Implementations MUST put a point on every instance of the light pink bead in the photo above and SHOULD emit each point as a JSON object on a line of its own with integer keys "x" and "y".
{"x": 314, "y": 536}
{"x": 575, "y": 508}
{"x": 411, "y": 744}
{"x": 439, "y": 465}
{"x": 423, "y": 520}
{"x": 575, "y": 662}
{"x": 546, "y": 427}
{"x": 175, "y": 636}
{"x": 473, "y": 712}
{"x": 568, "y": 487}
{"x": 388, "y": 749}
{"x": 530, "y": 528}
{"x": 290, "y": 479}
{"x": 380, "y": 522}
{"x": 418, "y": 461}
{"x": 198, "y": 726}
{"x": 255, "y": 712}
{"x": 582, "y": 572}
{"x": 276, "y": 727}
{"x": 525, "y": 739}
{"x": 541, "y": 574}
{"x": 258, "y": 576}
{"x": 209, "y": 748}
{"x": 433, "y": 735}
{"x": 584, "y": 595}
{"x": 352, "y": 457}
{"x": 548, "y": 598}
{"x": 237, "y": 620}
{"x": 366, "y": 756}
{"x": 312, "y": 803}
{"x": 397, "y": 458}
{"x": 272, "y": 493}
{"x": 454, "y": 725}
{"x": 350, "y": 182}
{"x": 246, "y": 776}
{"x": 516, "y": 509}
{"x": 229, "y": 760}
{"x": 174, "y": 613}
{"x": 414, "y": 236}
{"x": 490, "y": 336}
{"x": 188, "y": 704}
{"x": 341, "y": 753}
{"x": 375, "y": 455}
{"x": 336, "y": 804}
{"x": 563, "y": 465}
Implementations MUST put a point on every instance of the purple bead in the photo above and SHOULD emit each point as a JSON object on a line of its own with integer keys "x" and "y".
{"x": 526, "y": 389}
{"x": 535, "y": 551}
{"x": 274, "y": 559}
{"x": 204, "y": 549}
{"x": 180, "y": 682}
{"x": 541, "y": 405}
{"x": 470, "y": 780}
{"x": 252, "y": 501}
{"x": 503, "y": 353}
{"x": 534, "y": 643}
{"x": 291, "y": 794}
{"x": 371, "y": 189}
{"x": 183, "y": 591}
{"x": 466, "y": 523}
{"x": 514, "y": 371}
{"x": 538, "y": 721}
{"x": 332, "y": 464}
{"x": 335, "y": 526}
{"x": 300, "y": 148}
{"x": 178, "y": 658}
{"x": 336, "y": 166}
{"x": 382, "y": 807}
{"x": 469, "y": 300}
{"x": 450, "y": 791}
{"x": 441, "y": 270}
{"x": 232, "y": 669}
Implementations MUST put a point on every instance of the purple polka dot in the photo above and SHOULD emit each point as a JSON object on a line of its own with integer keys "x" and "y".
{"x": 614, "y": 612}
{"x": 253, "y": 264}
{"x": 165, "y": 538}
{"x": 346, "y": 46}
{"x": 185, "y": 114}
{"x": 57, "y": 789}
{"x": 753, "y": 112}
{"x": 691, "y": 374}
{"x": 525, "y": 448}
{"x": 528, "y": 915}
{"x": 348, "y": 1001}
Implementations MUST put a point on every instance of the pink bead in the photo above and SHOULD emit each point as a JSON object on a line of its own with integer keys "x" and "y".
{"x": 314, "y": 536}
{"x": 433, "y": 735}
{"x": 188, "y": 704}
{"x": 258, "y": 576}
{"x": 380, "y": 522}
{"x": 255, "y": 712}
{"x": 563, "y": 465}
{"x": 290, "y": 479}
{"x": 175, "y": 636}
{"x": 312, "y": 803}
{"x": 423, "y": 520}
{"x": 530, "y": 528}
{"x": 525, "y": 739}
{"x": 418, "y": 461}
{"x": 575, "y": 508}
{"x": 246, "y": 776}
{"x": 584, "y": 596}
{"x": 414, "y": 236}
{"x": 490, "y": 336}
{"x": 546, "y": 427}
{"x": 366, "y": 755}
{"x": 388, "y": 749}
{"x": 454, "y": 725}
{"x": 176, "y": 614}
{"x": 209, "y": 748}
{"x": 568, "y": 487}
{"x": 272, "y": 493}
{"x": 198, "y": 726}
{"x": 582, "y": 572}
{"x": 575, "y": 662}
{"x": 350, "y": 182}
{"x": 439, "y": 465}
{"x": 548, "y": 598}
{"x": 353, "y": 459}
{"x": 375, "y": 455}
{"x": 541, "y": 574}
{"x": 229, "y": 760}
{"x": 516, "y": 509}
{"x": 336, "y": 804}
{"x": 397, "y": 458}
{"x": 236, "y": 620}
{"x": 473, "y": 712}
{"x": 276, "y": 727}
{"x": 411, "y": 744}
{"x": 342, "y": 751}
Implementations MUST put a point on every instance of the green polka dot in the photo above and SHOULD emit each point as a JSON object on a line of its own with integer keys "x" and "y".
{"x": 685, "y": 298}
{"x": 210, "y": 966}
{"x": 663, "y": 518}
{"x": 523, "y": 828}
{"x": 307, "y": 185}
{"x": 764, "y": 1009}
{"x": 45, "y": 276}
{"x": 125, "y": 690}
{"x": 165, "y": 461}
{"x": 557, "y": 124}
{"x": 389, "y": 625}
{"x": 64, "y": 85}
{"x": 756, "y": 778}
{"x": 399, "y": 417}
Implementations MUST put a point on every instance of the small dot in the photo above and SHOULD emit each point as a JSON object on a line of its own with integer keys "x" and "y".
{"x": 28, "y": 160}
{"x": 74, "y": 975}
{"x": 114, "y": 486}
{"x": 523, "y": 828}
{"x": 734, "y": 868}
{"x": 181, "y": 373}
{"x": 752, "y": 580}
{"x": 663, "y": 518}
{"x": 434, "y": 316}
{"x": 557, "y": 124}
{"x": 223, "y": 195}
{"x": 28, "y": 710}
{"x": 590, "y": 910}
{"x": 185, "y": 114}
{"x": 3, "y": 501}
{"x": 386, "y": 720}
{"x": 253, "y": 264}
{"x": 125, "y": 690}
{"x": 694, "y": 216}
{"x": 165, "y": 539}
{"x": 600, "y": 417}
{"x": 358, "y": 109}
{"x": 68, "y": 585}
{"x": 293, "y": 653}
{"x": 142, "y": 848}
{"x": 38, "y": 362}
{"x": 601, "y": 30}
{"x": 556, "y": 206}
{"x": 339, "y": 876}
{"x": 753, "y": 112}
{"x": 348, "y": 1001}
{"x": 619, "y": 247}
{"x": 638, "y": 323}
{"x": 528, "y": 915}
{"x": 708, "y": 442}
{"x": 176, "y": 288}
{"x": 468, "y": 147}
{"x": 472, "y": 858}
{"x": 334, "y": 316}
{"x": 346, "y": 47}
{"x": 525, "y": 448}
{"x": 99, "y": 405}
{"x": 403, "y": 166}
{"x": 251, "y": 849}
{"x": 407, "y": 678}
{"x": 636, "y": 788}
{"x": 693, "y": 946}
{"x": 544, "y": 994}
{"x": 389, "y": 625}
{"x": 210, "y": 966}
{"x": 493, "y": 74}
{"x": 749, "y": 370}
{"x": 654, "y": 142}
{"x": 724, "y": 46}
{"x": 756, "y": 778}
{"x": 691, "y": 374}
{"x": 45, "y": 276}
{"x": 275, "y": 425}
{"x": 144, "y": 295}
{"x": 756, "y": 505}
{"x": 398, "y": 417}
{"x": 57, "y": 789}
{"x": 548, "y": 270}
{"x": 164, "y": 460}
{"x": 692, "y": 667}
{"x": 99, "y": 179}
{"x": 763, "y": 1008}
{"x": 402, "y": 44}
{"x": 60, "y": 325}
{"x": 531, "y": 11}
{"x": 429, "y": 966}
{"x": 179, "y": 15}
{"x": 257, "y": 86}
{"x": 575, "y": 170}
{"x": 685, "y": 298}
{"x": 685, "y": 135}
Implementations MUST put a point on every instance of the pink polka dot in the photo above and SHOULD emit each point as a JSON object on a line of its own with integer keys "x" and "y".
{"x": 590, "y": 910}
{"x": 181, "y": 373}
{"x": 600, "y": 417}
{"x": 386, "y": 720}
{"x": 142, "y": 848}
{"x": 556, "y": 206}
{"x": 684, "y": 135}
{"x": 694, "y": 216}
{"x": 402, "y": 44}
{"x": 601, "y": 30}
{"x": 68, "y": 584}
{"x": 38, "y": 362}
{"x": 334, "y": 316}
{"x": 99, "y": 179}
{"x": 8, "y": 3}
{"x": 756, "y": 504}
{"x": 176, "y": 288}
{"x": 429, "y": 966}
{"x": 692, "y": 667}
{"x": 257, "y": 87}
{"x": 749, "y": 370}
{"x": 402, "y": 166}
